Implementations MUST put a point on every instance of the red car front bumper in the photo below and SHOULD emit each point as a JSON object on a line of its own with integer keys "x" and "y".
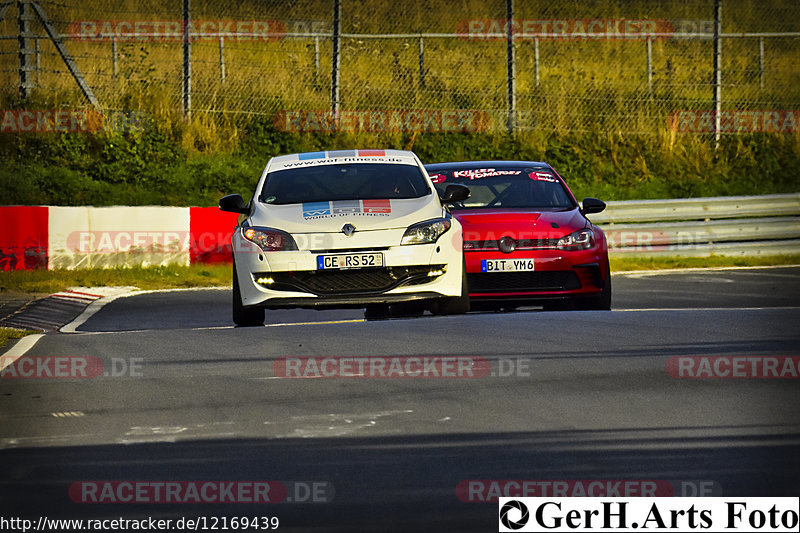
{"x": 557, "y": 274}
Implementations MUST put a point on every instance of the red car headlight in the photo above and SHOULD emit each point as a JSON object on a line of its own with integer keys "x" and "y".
{"x": 579, "y": 240}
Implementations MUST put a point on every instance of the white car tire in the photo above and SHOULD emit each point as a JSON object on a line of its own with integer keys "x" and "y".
{"x": 244, "y": 317}
{"x": 456, "y": 305}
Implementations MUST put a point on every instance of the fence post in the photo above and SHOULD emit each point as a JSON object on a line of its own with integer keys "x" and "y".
{"x": 316, "y": 61}
{"x": 222, "y": 59}
{"x": 536, "y": 59}
{"x": 511, "y": 67}
{"x": 38, "y": 61}
{"x": 58, "y": 42}
{"x": 24, "y": 23}
{"x": 114, "y": 56}
{"x": 717, "y": 70}
{"x": 649, "y": 63}
{"x": 421, "y": 62}
{"x": 337, "y": 26}
{"x": 187, "y": 60}
{"x": 761, "y": 62}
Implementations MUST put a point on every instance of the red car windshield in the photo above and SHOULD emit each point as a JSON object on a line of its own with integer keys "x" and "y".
{"x": 535, "y": 188}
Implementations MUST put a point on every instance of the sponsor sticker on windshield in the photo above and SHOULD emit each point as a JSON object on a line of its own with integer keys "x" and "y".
{"x": 438, "y": 178}
{"x": 377, "y": 206}
{"x": 476, "y": 173}
{"x": 346, "y": 206}
{"x": 342, "y": 208}
{"x": 542, "y": 176}
{"x": 316, "y": 209}
{"x": 339, "y": 157}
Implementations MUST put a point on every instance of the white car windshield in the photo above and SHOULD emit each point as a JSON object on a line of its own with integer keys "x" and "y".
{"x": 359, "y": 181}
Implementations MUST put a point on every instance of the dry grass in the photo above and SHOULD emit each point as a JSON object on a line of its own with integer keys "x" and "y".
{"x": 7, "y": 334}
{"x": 164, "y": 277}
{"x": 585, "y": 85}
{"x": 621, "y": 264}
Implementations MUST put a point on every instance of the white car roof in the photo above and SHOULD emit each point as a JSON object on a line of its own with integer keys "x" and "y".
{"x": 338, "y": 157}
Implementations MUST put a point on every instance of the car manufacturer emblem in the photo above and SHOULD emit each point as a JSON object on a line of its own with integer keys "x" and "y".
{"x": 348, "y": 229}
{"x": 507, "y": 244}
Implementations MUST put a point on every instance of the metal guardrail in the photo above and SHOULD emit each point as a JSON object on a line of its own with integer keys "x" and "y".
{"x": 700, "y": 208}
{"x": 698, "y": 227}
{"x": 751, "y": 249}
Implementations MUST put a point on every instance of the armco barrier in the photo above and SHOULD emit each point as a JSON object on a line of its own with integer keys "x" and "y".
{"x": 700, "y": 208}
{"x": 700, "y": 227}
{"x": 23, "y": 237}
{"x": 210, "y": 234}
{"x": 99, "y": 237}
{"x": 96, "y": 237}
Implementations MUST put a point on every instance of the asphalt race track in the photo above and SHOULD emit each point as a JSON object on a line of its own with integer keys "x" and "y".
{"x": 566, "y": 396}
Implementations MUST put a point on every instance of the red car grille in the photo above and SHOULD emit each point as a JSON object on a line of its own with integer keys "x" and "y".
{"x": 523, "y": 281}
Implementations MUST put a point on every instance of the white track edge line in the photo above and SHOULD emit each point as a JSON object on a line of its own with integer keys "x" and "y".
{"x": 98, "y": 304}
{"x": 19, "y": 349}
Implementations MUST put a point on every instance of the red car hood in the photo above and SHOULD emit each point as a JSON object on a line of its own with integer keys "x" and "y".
{"x": 491, "y": 224}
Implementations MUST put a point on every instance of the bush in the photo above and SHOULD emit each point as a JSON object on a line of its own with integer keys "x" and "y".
{"x": 156, "y": 167}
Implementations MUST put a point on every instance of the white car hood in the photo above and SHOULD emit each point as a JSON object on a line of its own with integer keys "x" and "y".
{"x": 329, "y": 217}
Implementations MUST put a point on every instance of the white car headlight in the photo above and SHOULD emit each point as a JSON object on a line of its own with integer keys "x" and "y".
{"x": 426, "y": 232}
{"x": 268, "y": 239}
{"x": 579, "y": 240}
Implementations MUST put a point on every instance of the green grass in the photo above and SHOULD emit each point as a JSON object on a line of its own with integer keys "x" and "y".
{"x": 163, "y": 277}
{"x": 621, "y": 264}
{"x": 154, "y": 169}
{"x": 6, "y": 334}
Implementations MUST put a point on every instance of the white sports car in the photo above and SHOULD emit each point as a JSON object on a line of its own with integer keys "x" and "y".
{"x": 347, "y": 228}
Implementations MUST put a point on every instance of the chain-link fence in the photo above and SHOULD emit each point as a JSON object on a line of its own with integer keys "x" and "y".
{"x": 630, "y": 66}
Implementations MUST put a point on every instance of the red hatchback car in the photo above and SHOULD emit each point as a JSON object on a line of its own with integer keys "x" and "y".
{"x": 526, "y": 238}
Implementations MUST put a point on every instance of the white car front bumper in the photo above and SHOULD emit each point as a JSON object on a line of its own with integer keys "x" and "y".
{"x": 291, "y": 278}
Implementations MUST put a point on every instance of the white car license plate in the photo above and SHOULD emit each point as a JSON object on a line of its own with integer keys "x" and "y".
{"x": 506, "y": 265}
{"x": 342, "y": 261}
